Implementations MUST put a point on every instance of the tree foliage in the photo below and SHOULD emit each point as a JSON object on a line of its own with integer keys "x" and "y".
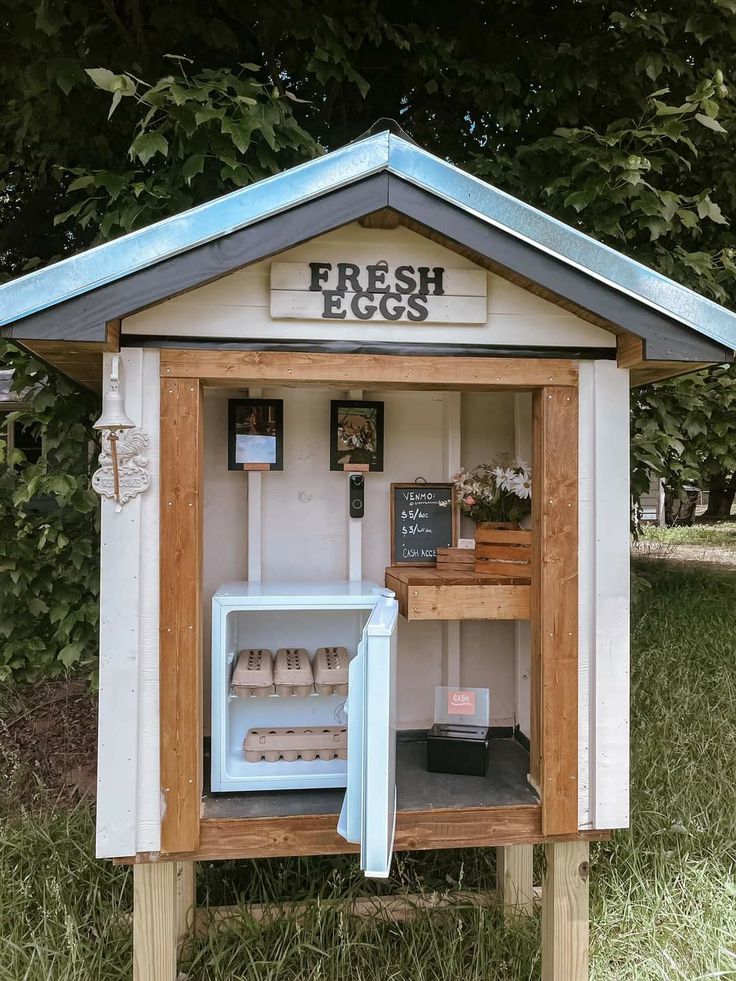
{"x": 48, "y": 532}
{"x": 684, "y": 430}
{"x": 196, "y": 136}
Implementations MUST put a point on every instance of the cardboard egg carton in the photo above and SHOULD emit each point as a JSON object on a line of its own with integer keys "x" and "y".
{"x": 293, "y": 672}
{"x": 331, "y": 671}
{"x": 296, "y": 743}
{"x": 253, "y": 674}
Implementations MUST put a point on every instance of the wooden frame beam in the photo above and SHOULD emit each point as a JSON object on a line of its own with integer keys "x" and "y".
{"x": 180, "y": 613}
{"x": 554, "y": 602}
{"x": 302, "y": 835}
{"x": 554, "y": 715}
{"x": 275, "y": 368}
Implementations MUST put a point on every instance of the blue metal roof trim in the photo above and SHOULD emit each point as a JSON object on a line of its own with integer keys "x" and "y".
{"x": 129, "y": 254}
{"x": 135, "y": 251}
{"x": 563, "y": 241}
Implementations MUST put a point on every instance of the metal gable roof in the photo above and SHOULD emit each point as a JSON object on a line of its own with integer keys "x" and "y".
{"x": 104, "y": 264}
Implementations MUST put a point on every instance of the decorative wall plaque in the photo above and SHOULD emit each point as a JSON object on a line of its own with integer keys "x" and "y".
{"x": 378, "y": 291}
{"x": 132, "y": 466}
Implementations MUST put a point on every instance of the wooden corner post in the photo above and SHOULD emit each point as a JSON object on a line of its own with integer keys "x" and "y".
{"x": 180, "y": 617}
{"x": 565, "y": 911}
{"x": 154, "y": 922}
{"x": 554, "y": 715}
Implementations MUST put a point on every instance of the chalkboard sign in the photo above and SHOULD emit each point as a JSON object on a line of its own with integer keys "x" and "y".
{"x": 423, "y": 519}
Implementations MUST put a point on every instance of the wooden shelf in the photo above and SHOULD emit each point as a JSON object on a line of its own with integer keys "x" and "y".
{"x": 430, "y": 594}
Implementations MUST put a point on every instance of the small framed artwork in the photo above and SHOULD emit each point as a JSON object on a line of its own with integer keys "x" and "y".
{"x": 356, "y": 436}
{"x": 255, "y": 434}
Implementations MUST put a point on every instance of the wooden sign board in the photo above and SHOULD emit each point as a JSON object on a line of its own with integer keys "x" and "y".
{"x": 423, "y": 519}
{"x": 378, "y": 292}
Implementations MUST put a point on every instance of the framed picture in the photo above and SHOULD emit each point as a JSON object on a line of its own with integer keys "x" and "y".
{"x": 255, "y": 434}
{"x": 356, "y": 436}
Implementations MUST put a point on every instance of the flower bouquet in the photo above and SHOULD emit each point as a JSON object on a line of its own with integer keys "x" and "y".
{"x": 498, "y": 492}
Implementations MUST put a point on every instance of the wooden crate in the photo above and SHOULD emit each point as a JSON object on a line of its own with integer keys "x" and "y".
{"x": 456, "y": 559}
{"x": 431, "y": 594}
{"x": 503, "y": 551}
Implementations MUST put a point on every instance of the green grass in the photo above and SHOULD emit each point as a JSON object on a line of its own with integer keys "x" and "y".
{"x": 721, "y": 535}
{"x": 663, "y": 895}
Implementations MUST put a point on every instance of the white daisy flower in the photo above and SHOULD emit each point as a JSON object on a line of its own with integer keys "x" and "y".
{"x": 521, "y": 485}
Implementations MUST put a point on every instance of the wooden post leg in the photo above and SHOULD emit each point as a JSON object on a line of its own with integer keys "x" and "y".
{"x": 186, "y": 900}
{"x": 154, "y": 926}
{"x": 565, "y": 912}
{"x": 514, "y": 881}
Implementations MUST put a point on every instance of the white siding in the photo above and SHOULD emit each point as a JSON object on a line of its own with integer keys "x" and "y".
{"x": 604, "y": 595}
{"x": 237, "y": 306}
{"x": 128, "y": 767}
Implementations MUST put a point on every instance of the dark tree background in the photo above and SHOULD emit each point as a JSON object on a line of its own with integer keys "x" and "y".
{"x": 481, "y": 84}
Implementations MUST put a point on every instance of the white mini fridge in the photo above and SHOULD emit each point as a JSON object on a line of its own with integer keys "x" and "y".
{"x": 359, "y": 617}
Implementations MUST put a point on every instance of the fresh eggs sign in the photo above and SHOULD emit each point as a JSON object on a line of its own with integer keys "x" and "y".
{"x": 377, "y": 291}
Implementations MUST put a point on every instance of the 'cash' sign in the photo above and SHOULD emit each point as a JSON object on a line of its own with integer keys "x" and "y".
{"x": 409, "y": 292}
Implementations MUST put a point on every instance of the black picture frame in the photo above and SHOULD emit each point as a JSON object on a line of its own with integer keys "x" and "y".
{"x": 270, "y": 416}
{"x": 363, "y": 459}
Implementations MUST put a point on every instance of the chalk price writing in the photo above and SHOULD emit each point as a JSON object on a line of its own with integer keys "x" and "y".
{"x": 413, "y": 530}
{"x": 421, "y": 521}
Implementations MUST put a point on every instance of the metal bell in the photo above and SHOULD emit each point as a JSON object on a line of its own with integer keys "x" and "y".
{"x": 113, "y": 415}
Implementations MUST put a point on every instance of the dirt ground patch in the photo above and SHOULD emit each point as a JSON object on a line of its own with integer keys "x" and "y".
{"x": 48, "y": 743}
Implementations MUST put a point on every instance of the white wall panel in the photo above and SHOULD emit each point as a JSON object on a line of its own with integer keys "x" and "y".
{"x": 604, "y": 595}
{"x": 148, "y": 835}
{"x": 237, "y": 306}
{"x": 128, "y": 809}
{"x": 304, "y": 521}
{"x": 610, "y": 681}
{"x": 586, "y": 582}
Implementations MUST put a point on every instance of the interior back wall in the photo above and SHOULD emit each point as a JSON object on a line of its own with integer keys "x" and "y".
{"x": 304, "y": 523}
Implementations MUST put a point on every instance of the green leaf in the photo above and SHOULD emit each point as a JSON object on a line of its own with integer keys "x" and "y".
{"x": 79, "y": 182}
{"x": 71, "y": 654}
{"x": 688, "y": 218}
{"x": 578, "y": 200}
{"x": 37, "y": 606}
{"x": 116, "y": 98}
{"x": 147, "y": 145}
{"x": 103, "y": 78}
{"x": 665, "y": 110}
{"x": 193, "y": 166}
{"x": 205, "y": 115}
{"x": 711, "y": 107}
{"x": 709, "y": 209}
{"x": 710, "y": 123}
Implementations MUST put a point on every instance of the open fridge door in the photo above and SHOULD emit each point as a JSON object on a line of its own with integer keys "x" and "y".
{"x": 368, "y": 815}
